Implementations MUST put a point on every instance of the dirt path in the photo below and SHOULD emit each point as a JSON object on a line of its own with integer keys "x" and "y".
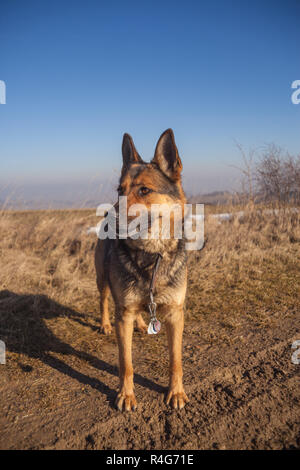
{"x": 243, "y": 390}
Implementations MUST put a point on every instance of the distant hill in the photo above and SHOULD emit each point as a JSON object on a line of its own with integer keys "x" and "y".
{"x": 215, "y": 197}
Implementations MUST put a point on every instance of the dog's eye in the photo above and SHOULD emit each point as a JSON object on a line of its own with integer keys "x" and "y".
{"x": 143, "y": 191}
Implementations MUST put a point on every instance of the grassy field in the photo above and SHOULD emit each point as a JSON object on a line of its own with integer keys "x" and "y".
{"x": 242, "y": 315}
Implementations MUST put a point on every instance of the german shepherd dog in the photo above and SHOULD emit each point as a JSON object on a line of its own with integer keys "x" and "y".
{"x": 125, "y": 267}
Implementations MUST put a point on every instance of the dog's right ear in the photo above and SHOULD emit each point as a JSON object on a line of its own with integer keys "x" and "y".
{"x": 129, "y": 152}
{"x": 166, "y": 156}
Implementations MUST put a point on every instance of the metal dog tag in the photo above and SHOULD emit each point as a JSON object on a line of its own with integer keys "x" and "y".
{"x": 154, "y": 327}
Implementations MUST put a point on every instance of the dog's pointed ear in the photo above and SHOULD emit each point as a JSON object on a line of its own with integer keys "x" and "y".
{"x": 129, "y": 152}
{"x": 166, "y": 156}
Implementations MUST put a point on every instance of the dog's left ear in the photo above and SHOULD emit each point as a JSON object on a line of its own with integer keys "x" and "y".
{"x": 166, "y": 156}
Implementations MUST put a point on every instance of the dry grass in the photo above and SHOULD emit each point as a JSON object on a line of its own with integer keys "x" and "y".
{"x": 249, "y": 269}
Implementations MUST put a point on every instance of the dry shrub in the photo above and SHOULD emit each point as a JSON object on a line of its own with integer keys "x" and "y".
{"x": 278, "y": 176}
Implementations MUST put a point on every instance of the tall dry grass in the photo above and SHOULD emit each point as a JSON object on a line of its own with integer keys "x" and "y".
{"x": 249, "y": 268}
{"x": 48, "y": 252}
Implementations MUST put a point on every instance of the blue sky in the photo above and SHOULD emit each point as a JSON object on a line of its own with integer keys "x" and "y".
{"x": 81, "y": 73}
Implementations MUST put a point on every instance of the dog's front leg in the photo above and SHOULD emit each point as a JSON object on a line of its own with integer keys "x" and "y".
{"x": 124, "y": 329}
{"x": 174, "y": 324}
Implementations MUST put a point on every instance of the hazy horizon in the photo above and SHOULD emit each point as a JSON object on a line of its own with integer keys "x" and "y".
{"x": 88, "y": 191}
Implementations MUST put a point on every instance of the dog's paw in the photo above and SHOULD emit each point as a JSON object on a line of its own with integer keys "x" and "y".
{"x": 140, "y": 324}
{"x": 177, "y": 400}
{"x": 106, "y": 329}
{"x": 126, "y": 402}
{"x": 142, "y": 327}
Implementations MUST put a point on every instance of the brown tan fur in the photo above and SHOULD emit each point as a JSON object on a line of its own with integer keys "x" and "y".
{"x": 125, "y": 268}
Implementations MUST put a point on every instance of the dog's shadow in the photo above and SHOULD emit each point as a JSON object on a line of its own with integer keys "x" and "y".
{"x": 24, "y": 331}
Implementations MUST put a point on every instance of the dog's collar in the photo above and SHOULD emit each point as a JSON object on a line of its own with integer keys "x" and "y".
{"x": 154, "y": 325}
{"x": 153, "y": 278}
